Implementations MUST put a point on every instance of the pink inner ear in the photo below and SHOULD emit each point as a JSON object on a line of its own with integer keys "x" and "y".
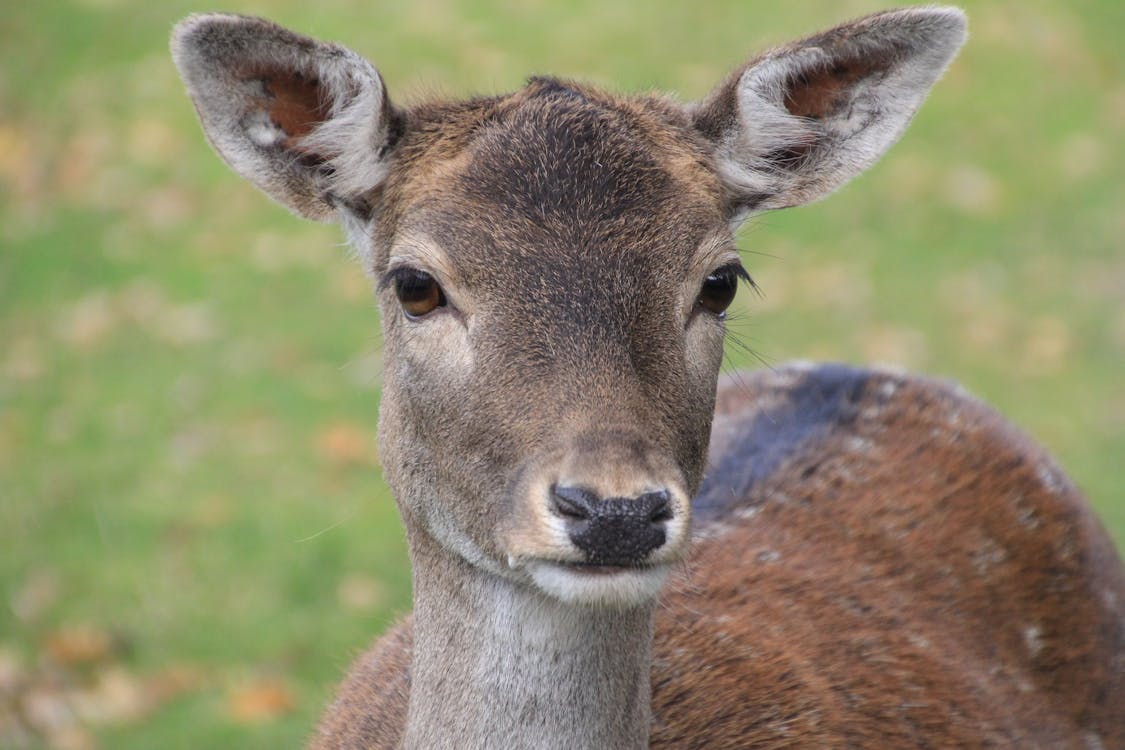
{"x": 819, "y": 93}
{"x": 295, "y": 104}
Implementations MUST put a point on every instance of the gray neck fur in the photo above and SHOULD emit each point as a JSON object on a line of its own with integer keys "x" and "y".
{"x": 497, "y": 664}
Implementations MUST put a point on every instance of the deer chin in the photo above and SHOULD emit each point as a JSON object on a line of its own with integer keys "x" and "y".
{"x": 607, "y": 586}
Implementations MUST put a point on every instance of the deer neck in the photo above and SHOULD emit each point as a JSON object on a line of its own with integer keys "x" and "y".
{"x": 498, "y": 664}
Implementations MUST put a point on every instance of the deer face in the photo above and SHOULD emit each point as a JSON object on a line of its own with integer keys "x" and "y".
{"x": 552, "y": 267}
{"x": 547, "y": 405}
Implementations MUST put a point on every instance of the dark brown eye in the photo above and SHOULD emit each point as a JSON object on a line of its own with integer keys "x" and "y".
{"x": 719, "y": 288}
{"x": 418, "y": 292}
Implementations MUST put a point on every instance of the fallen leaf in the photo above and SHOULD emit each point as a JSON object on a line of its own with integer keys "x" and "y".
{"x": 260, "y": 701}
{"x": 142, "y": 301}
{"x": 89, "y": 321}
{"x": 344, "y": 444}
{"x": 117, "y": 696}
{"x": 80, "y": 644}
{"x": 186, "y": 324}
{"x": 46, "y": 708}
{"x": 1048, "y": 345}
{"x": 888, "y": 345}
{"x": 11, "y": 671}
{"x": 836, "y": 286}
{"x": 212, "y": 512}
{"x": 1082, "y": 156}
{"x": 152, "y": 141}
{"x": 174, "y": 681}
{"x": 71, "y": 738}
{"x": 17, "y": 151}
{"x": 25, "y": 359}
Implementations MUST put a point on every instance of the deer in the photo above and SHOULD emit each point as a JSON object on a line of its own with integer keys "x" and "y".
{"x": 613, "y": 545}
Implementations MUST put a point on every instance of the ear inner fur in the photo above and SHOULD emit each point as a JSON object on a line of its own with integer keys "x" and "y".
{"x": 819, "y": 93}
{"x": 296, "y": 104}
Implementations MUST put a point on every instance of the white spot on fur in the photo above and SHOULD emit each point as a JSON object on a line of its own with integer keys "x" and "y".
{"x": 768, "y": 556}
{"x": 262, "y": 130}
{"x": 1027, "y": 518}
{"x": 987, "y": 555}
{"x": 918, "y": 641}
{"x": 857, "y": 444}
{"x": 1051, "y": 477}
{"x": 747, "y": 512}
{"x": 1033, "y": 639}
{"x": 1093, "y": 741}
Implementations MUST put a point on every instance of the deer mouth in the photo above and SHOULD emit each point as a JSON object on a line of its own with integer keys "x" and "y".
{"x": 603, "y": 569}
{"x": 601, "y": 585}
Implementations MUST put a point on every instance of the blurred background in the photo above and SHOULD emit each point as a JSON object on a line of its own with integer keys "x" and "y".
{"x": 194, "y": 535}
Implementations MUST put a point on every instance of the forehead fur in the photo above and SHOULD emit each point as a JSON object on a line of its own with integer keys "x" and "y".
{"x": 561, "y": 162}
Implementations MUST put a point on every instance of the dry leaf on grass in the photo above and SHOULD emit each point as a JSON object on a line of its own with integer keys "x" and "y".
{"x": 261, "y": 701}
{"x": 117, "y": 696}
{"x": 79, "y": 644}
{"x": 345, "y": 444}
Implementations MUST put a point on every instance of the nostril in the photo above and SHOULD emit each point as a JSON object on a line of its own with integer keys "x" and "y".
{"x": 658, "y": 506}
{"x": 573, "y": 503}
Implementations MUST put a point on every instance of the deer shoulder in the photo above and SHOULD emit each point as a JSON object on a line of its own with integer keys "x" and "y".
{"x": 871, "y": 549}
{"x": 885, "y": 561}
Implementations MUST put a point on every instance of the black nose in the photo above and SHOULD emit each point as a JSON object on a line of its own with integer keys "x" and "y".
{"x": 615, "y": 530}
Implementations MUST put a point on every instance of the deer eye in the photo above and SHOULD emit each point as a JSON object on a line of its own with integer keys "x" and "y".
{"x": 719, "y": 288}
{"x": 418, "y": 292}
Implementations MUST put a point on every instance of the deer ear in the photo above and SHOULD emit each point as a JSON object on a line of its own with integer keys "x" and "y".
{"x": 800, "y": 121}
{"x": 308, "y": 122}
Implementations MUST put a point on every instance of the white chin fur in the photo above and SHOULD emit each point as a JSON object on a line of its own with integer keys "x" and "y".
{"x": 626, "y": 588}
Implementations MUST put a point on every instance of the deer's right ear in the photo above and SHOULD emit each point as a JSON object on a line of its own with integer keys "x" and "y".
{"x": 308, "y": 122}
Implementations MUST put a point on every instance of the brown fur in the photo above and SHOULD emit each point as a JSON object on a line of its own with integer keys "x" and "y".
{"x": 825, "y": 90}
{"x": 918, "y": 575}
{"x": 295, "y": 104}
{"x": 878, "y": 561}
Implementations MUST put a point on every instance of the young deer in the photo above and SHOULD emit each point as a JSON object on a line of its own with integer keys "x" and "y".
{"x": 873, "y": 559}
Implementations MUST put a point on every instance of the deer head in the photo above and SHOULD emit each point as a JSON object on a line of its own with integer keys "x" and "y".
{"x": 553, "y": 267}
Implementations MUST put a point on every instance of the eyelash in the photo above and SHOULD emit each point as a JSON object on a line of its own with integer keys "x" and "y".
{"x": 718, "y": 290}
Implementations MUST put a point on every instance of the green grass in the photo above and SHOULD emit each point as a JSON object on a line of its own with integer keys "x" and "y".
{"x": 189, "y": 377}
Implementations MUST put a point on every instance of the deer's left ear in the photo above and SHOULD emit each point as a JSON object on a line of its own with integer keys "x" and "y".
{"x": 800, "y": 121}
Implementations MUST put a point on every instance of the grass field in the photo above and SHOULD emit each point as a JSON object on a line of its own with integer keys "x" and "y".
{"x": 194, "y": 536}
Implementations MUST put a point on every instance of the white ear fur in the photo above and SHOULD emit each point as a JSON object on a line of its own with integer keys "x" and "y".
{"x": 308, "y": 122}
{"x": 802, "y": 120}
